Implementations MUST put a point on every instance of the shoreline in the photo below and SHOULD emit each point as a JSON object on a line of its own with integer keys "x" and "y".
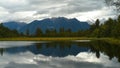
{"x": 48, "y": 38}
{"x": 109, "y": 40}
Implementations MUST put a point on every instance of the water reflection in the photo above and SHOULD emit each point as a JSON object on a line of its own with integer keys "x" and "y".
{"x": 57, "y": 54}
{"x": 54, "y": 49}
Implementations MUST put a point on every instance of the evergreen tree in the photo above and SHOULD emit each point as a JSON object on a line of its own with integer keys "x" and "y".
{"x": 27, "y": 32}
{"x": 62, "y": 32}
{"x": 5, "y": 32}
{"x": 38, "y": 32}
{"x": 97, "y": 23}
{"x": 118, "y": 19}
{"x": 68, "y": 32}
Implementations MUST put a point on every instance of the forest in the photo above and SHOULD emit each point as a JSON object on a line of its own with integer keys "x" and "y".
{"x": 110, "y": 28}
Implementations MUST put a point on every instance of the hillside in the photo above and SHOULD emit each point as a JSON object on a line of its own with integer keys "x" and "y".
{"x": 55, "y": 23}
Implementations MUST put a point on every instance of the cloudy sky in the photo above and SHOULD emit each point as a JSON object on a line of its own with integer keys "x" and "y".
{"x": 29, "y": 10}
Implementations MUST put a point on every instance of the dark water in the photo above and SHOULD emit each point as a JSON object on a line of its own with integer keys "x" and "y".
{"x": 74, "y": 54}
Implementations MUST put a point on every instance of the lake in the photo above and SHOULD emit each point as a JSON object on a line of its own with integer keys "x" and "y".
{"x": 59, "y": 54}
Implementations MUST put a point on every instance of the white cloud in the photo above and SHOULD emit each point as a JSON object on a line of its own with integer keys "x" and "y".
{"x": 103, "y": 13}
{"x": 28, "y": 10}
{"x": 13, "y": 3}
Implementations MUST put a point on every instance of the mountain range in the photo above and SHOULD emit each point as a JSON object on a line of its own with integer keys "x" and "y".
{"x": 48, "y": 23}
{"x": 13, "y": 25}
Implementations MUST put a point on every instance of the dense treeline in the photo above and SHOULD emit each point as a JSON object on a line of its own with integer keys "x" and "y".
{"x": 5, "y": 32}
{"x": 109, "y": 28}
{"x": 54, "y": 33}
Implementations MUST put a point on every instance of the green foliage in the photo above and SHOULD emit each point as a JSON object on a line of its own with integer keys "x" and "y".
{"x": 27, "y": 32}
{"x": 5, "y": 32}
{"x": 38, "y": 32}
{"x": 110, "y": 28}
{"x": 97, "y": 23}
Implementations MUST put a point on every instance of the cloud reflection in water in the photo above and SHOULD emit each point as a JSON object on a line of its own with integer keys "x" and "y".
{"x": 83, "y": 60}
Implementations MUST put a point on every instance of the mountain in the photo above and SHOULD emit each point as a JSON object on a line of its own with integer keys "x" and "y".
{"x": 48, "y": 23}
{"x": 55, "y": 23}
{"x": 14, "y": 25}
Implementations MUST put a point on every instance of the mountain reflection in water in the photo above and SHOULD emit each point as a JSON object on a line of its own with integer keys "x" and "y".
{"x": 61, "y": 55}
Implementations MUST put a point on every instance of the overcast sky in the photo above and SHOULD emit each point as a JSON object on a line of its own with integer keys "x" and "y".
{"x": 29, "y": 10}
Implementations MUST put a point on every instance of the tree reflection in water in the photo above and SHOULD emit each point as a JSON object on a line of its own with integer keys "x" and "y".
{"x": 62, "y": 49}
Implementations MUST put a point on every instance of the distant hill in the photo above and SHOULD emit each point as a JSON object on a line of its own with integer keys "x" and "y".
{"x": 14, "y": 25}
{"x": 55, "y": 23}
{"x": 5, "y": 32}
{"x": 49, "y": 23}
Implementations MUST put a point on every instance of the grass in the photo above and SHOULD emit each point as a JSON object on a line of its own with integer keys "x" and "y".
{"x": 44, "y": 38}
{"x": 49, "y": 38}
{"x": 109, "y": 40}
{"x": 112, "y": 41}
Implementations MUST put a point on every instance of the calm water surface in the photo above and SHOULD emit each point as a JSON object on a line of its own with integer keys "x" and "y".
{"x": 74, "y": 54}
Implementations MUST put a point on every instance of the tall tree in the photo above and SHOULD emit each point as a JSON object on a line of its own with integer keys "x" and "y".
{"x": 118, "y": 19}
{"x": 97, "y": 23}
{"x": 68, "y": 32}
{"x": 94, "y": 29}
{"x": 62, "y": 32}
{"x": 27, "y": 32}
{"x": 5, "y": 32}
{"x": 38, "y": 32}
